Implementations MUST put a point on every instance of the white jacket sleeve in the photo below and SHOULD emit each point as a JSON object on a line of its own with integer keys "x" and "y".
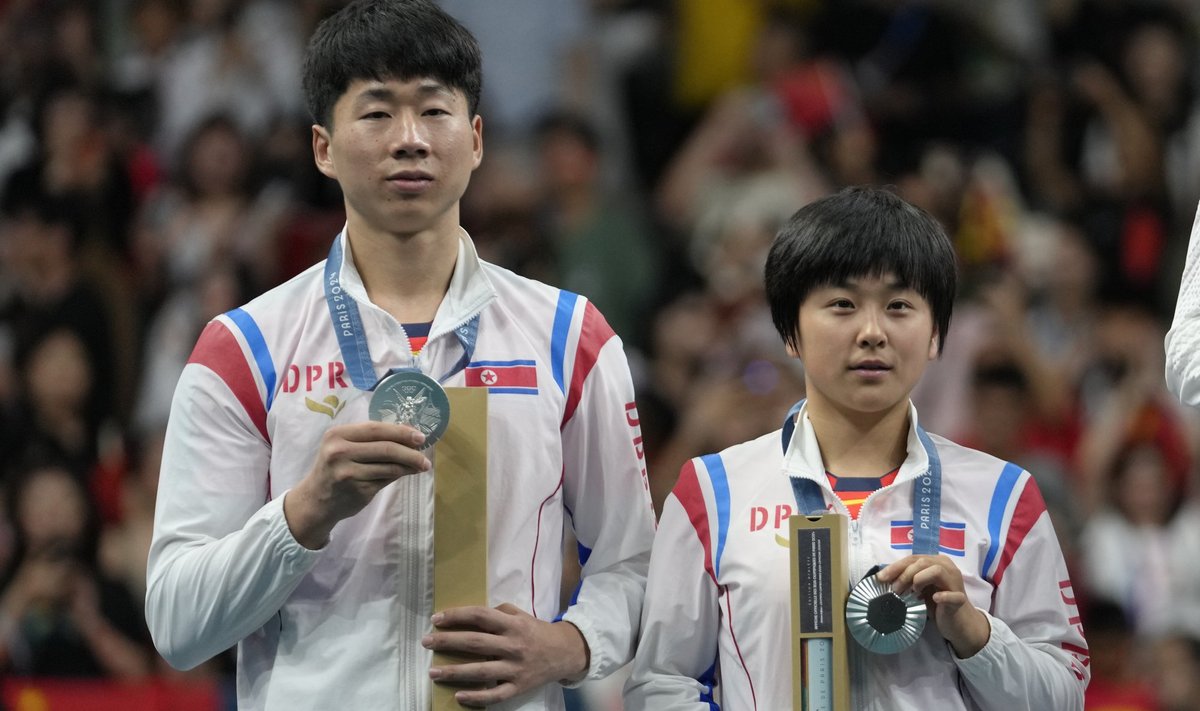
{"x": 222, "y": 560}
{"x": 676, "y": 658}
{"x": 605, "y": 489}
{"x": 1183, "y": 340}
{"x": 1036, "y": 657}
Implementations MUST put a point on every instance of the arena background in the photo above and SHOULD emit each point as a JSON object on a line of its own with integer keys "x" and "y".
{"x": 156, "y": 170}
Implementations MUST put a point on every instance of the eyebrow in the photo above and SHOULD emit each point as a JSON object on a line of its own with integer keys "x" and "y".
{"x": 850, "y": 283}
{"x": 383, "y": 93}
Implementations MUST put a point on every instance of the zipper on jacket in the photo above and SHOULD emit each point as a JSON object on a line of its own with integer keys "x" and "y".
{"x": 410, "y": 593}
{"x": 420, "y": 361}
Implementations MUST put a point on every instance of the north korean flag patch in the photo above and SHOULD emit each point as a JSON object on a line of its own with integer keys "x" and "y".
{"x": 503, "y": 377}
{"x": 952, "y": 537}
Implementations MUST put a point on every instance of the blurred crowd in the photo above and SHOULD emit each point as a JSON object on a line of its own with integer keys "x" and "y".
{"x": 156, "y": 170}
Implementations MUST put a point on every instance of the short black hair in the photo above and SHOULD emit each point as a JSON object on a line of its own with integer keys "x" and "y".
{"x": 388, "y": 39}
{"x": 859, "y": 232}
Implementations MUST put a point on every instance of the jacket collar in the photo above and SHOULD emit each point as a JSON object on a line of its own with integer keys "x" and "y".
{"x": 469, "y": 291}
{"x": 802, "y": 455}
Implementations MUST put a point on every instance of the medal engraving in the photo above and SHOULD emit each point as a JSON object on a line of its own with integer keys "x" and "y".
{"x": 882, "y": 621}
{"x": 413, "y": 399}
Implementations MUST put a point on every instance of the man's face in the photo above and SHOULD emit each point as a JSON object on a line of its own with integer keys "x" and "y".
{"x": 864, "y": 344}
{"x": 403, "y": 153}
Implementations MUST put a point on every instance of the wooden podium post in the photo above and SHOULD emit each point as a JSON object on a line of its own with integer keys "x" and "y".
{"x": 820, "y": 671}
{"x": 460, "y": 519}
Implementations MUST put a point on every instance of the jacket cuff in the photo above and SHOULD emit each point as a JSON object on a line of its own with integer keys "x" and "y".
{"x": 595, "y": 647}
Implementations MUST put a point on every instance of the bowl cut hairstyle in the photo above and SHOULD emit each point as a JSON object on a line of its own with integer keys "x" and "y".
{"x": 854, "y": 233}
{"x": 388, "y": 39}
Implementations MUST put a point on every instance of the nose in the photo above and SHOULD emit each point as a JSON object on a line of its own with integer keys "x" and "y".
{"x": 871, "y": 333}
{"x": 409, "y": 139}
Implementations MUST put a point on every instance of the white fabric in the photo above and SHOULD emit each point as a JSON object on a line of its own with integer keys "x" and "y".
{"x": 1183, "y": 340}
{"x": 341, "y": 627}
{"x": 1150, "y": 571}
{"x": 729, "y": 513}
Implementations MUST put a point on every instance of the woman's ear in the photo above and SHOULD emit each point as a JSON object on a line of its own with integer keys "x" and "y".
{"x": 933, "y": 346}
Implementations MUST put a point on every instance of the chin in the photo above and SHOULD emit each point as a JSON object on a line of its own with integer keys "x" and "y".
{"x": 878, "y": 406}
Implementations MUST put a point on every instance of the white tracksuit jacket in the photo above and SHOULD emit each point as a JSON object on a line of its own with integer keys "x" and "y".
{"x": 340, "y": 628}
{"x": 717, "y": 599}
{"x": 1183, "y": 340}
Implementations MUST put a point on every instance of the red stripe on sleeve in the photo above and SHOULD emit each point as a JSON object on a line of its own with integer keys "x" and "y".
{"x": 594, "y": 333}
{"x": 219, "y": 351}
{"x": 687, "y": 490}
{"x": 1030, "y": 508}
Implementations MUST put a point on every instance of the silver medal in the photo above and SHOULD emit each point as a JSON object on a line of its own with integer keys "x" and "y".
{"x": 408, "y": 397}
{"x": 881, "y": 620}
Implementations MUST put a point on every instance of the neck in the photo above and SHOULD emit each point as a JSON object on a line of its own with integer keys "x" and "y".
{"x": 405, "y": 275}
{"x": 858, "y": 444}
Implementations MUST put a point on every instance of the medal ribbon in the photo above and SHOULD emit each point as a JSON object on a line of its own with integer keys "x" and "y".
{"x": 352, "y": 337}
{"x": 927, "y": 491}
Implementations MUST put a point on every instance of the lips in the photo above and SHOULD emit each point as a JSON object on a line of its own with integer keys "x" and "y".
{"x": 410, "y": 180}
{"x": 871, "y": 366}
{"x": 410, "y": 175}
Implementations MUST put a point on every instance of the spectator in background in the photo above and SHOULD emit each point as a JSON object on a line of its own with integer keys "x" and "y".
{"x": 78, "y": 166}
{"x": 80, "y": 172}
{"x": 743, "y": 146}
{"x": 602, "y": 244}
{"x": 1006, "y": 424}
{"x": 58, "y": 615}
{"x": 212, "y": 214}
{"x": 51, "y": 419}
{"x": 154, "y": 30}
{"x": 49, "y": 296}
{"x": 236, "y": 58}
{"x": 1112, "y": 139}
{"x": 1139, "y": 547}
{"x": 537, "y": 59}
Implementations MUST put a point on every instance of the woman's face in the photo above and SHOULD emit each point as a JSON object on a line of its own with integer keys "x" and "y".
{"x": 51, "y": 510}
{"x": 1142, "y": 489}
{"x": 216, "y": 164}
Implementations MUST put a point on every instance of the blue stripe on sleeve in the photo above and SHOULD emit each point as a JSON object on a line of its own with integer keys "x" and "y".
{"x": 558, "y": 335}
{"x": 720, "y": 485}
{"x": 258, "y": 348}
{"x": 1000, "y": 496}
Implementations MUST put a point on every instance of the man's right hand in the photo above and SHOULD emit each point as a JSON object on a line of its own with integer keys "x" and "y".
{"x": 354, "y": 462}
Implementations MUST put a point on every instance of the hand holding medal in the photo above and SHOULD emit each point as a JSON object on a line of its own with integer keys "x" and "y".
{"x": 939, "y": 583}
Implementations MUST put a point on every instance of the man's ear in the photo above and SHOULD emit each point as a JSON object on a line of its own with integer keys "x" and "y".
{"x": 933, "y": 346}
{"x": 320, "y": 146}
{"x": 477, "y": 131}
